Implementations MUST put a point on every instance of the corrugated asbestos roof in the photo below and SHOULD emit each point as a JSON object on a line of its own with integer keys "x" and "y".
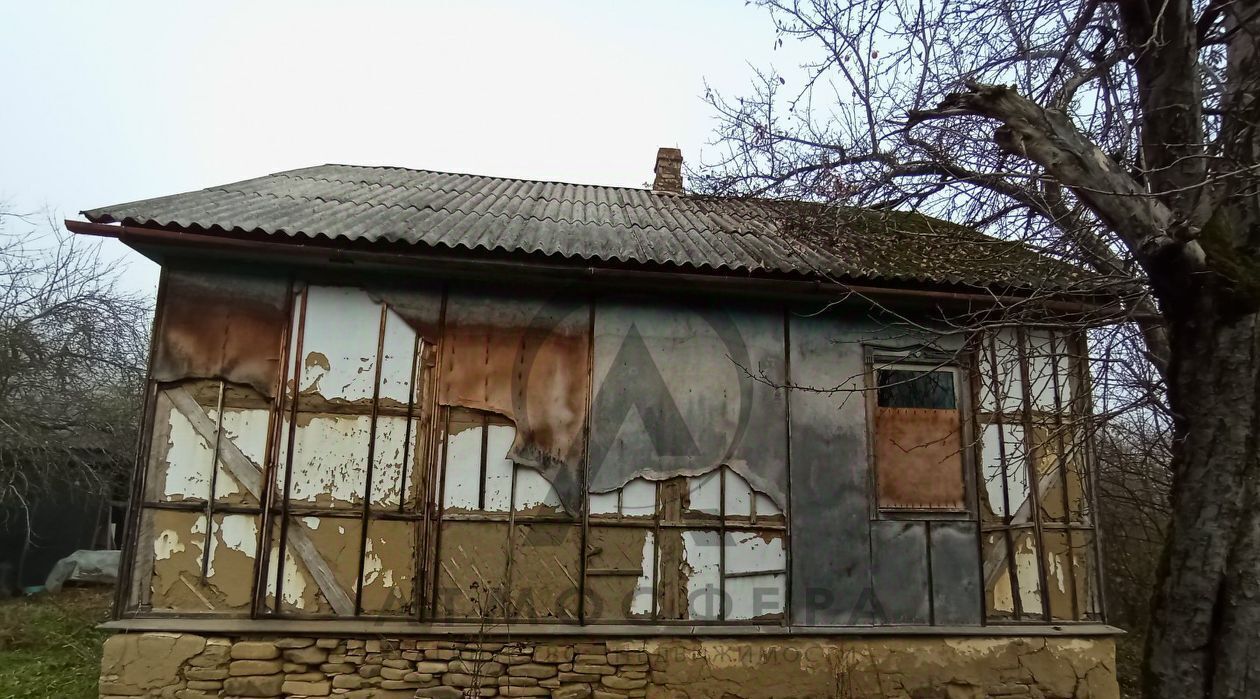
{"x": 613, "y": 225}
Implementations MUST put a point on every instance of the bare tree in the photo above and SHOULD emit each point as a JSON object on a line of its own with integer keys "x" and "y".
{"x": 72, "y": 353}
{"x": 1121, "y": 136}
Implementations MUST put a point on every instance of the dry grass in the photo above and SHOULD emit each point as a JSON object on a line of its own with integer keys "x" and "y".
{"x": 49, "y": 645}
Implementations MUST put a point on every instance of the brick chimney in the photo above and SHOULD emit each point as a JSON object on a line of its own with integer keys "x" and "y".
{"x": 668, "y": 172}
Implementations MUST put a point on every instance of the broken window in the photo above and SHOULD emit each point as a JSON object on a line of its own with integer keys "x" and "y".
{"x": 349, "y": 450}
{"x": 1038, "y": 545}
{"x": 918, "y": 443}
{"x": 200, "y": 508}
{"x": 506, "y": 548}
{"x": 700, "y": 548}
{"x": 355, "y": 471}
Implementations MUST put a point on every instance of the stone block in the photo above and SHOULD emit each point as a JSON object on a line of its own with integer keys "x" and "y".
{"x": 206, "y": 673}
{"x": 511, "y": 691}
{"x": 254, "y": 667}
{"x": 312, "y": 655}
{"x": 616, "y": 682}
{"x": 254, "y": 650}
{"x": 254, "y": 686}
{"x": 310, "y": 689}
{"x": 148, "y": 660}
{"x": 532, "y": 670}
{"x": 439, "y": 693}
{"x": 553, "y": 654}
{"x": 347, "y": 681}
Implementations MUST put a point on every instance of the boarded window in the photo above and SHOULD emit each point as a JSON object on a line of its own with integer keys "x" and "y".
{"x": 918, "y": 444}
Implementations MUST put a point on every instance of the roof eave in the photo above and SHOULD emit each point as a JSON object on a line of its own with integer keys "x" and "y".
{"x": 159, "y": 244}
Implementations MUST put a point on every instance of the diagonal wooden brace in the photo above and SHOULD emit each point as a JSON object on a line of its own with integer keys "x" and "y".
{"x": 250, "y": 476}
{"x": 995, "y": 555}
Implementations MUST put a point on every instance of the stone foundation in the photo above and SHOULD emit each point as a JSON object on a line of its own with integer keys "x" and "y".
{"x": 189, "y": 666}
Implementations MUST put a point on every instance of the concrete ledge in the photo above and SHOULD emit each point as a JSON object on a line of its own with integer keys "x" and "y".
{"x": 359, "y": 627}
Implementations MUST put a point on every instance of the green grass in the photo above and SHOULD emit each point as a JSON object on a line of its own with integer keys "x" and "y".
{"x": 49, "y": 646}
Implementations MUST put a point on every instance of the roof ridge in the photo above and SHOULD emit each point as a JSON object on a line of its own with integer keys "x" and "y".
{"x": 485, "y": 214}
{"x": 484, "y": 177}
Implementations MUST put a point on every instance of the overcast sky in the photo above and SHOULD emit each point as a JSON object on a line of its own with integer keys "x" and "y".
{"x": 106, "y": 102}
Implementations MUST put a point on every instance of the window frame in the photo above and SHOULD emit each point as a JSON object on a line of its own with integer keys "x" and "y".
{"x": 959, "y": 365}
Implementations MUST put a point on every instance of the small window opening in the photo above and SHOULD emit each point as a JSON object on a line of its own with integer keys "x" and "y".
{"x": 918, "y": 440}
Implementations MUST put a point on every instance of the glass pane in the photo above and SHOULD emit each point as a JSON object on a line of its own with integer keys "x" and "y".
{"x": 907, "y": 388}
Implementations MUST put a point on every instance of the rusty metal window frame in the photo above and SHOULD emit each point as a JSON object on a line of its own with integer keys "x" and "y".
{"x": 958, "y": 364}
{"x": 438, "y": 516}
{"x": 688, "y": 520}
{"x": 694, "y": 520}
{"x": 279, "y": 508}
{"x": 1068, "y": 367}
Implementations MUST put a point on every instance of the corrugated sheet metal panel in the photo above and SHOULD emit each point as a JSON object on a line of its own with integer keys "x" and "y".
{"x": 605, "y": 224}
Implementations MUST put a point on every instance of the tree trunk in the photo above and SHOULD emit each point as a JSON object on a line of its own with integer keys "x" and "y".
{"x": 1205, "y": 636}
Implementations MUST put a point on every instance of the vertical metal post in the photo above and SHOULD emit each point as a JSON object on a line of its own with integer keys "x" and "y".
{"x": 1085, "y": 391}
{"x": 418, "y": 526}
{"x": 1063, "y": 461}
{"x": 1034, "y": 475}
{"x": 214, "y": 484}
{"x": 509, "y": 611}
{"x": 365, "y": 516}
{"x": 975, "y": 350}
{"x": 1012, "y": 573}
{"x": 440, "y": 476}
{"x": 128, "y": 588}
{"x": 416, "y": 349}
{"x": 931, "y": 582}
{"x": 262, "y": 550}
{"x": 787, "y": 506}
{"x": 288, "y": 457}
{"x": 722, "y": 540}
{"x": 656, "y": 550}
{"x": 585, "y": 514}
{"x": 430, "y": 498}
{"x": 485, "y": 445}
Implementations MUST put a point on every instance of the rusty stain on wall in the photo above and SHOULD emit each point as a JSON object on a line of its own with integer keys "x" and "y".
{"x": 918, "y": 457}
{"x": 221, "y": 326}
{"x": 529, "y": 362}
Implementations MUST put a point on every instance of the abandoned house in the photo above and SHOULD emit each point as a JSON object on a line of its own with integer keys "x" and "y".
{"x": 411, "y": 433}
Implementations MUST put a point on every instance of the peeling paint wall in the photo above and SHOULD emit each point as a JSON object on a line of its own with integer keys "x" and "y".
{"x": 1038, "y": 545}
{"x": 462, "y": 454}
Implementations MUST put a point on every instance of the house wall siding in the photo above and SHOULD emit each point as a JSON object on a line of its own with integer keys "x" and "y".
{"x": 574, "y": 404}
